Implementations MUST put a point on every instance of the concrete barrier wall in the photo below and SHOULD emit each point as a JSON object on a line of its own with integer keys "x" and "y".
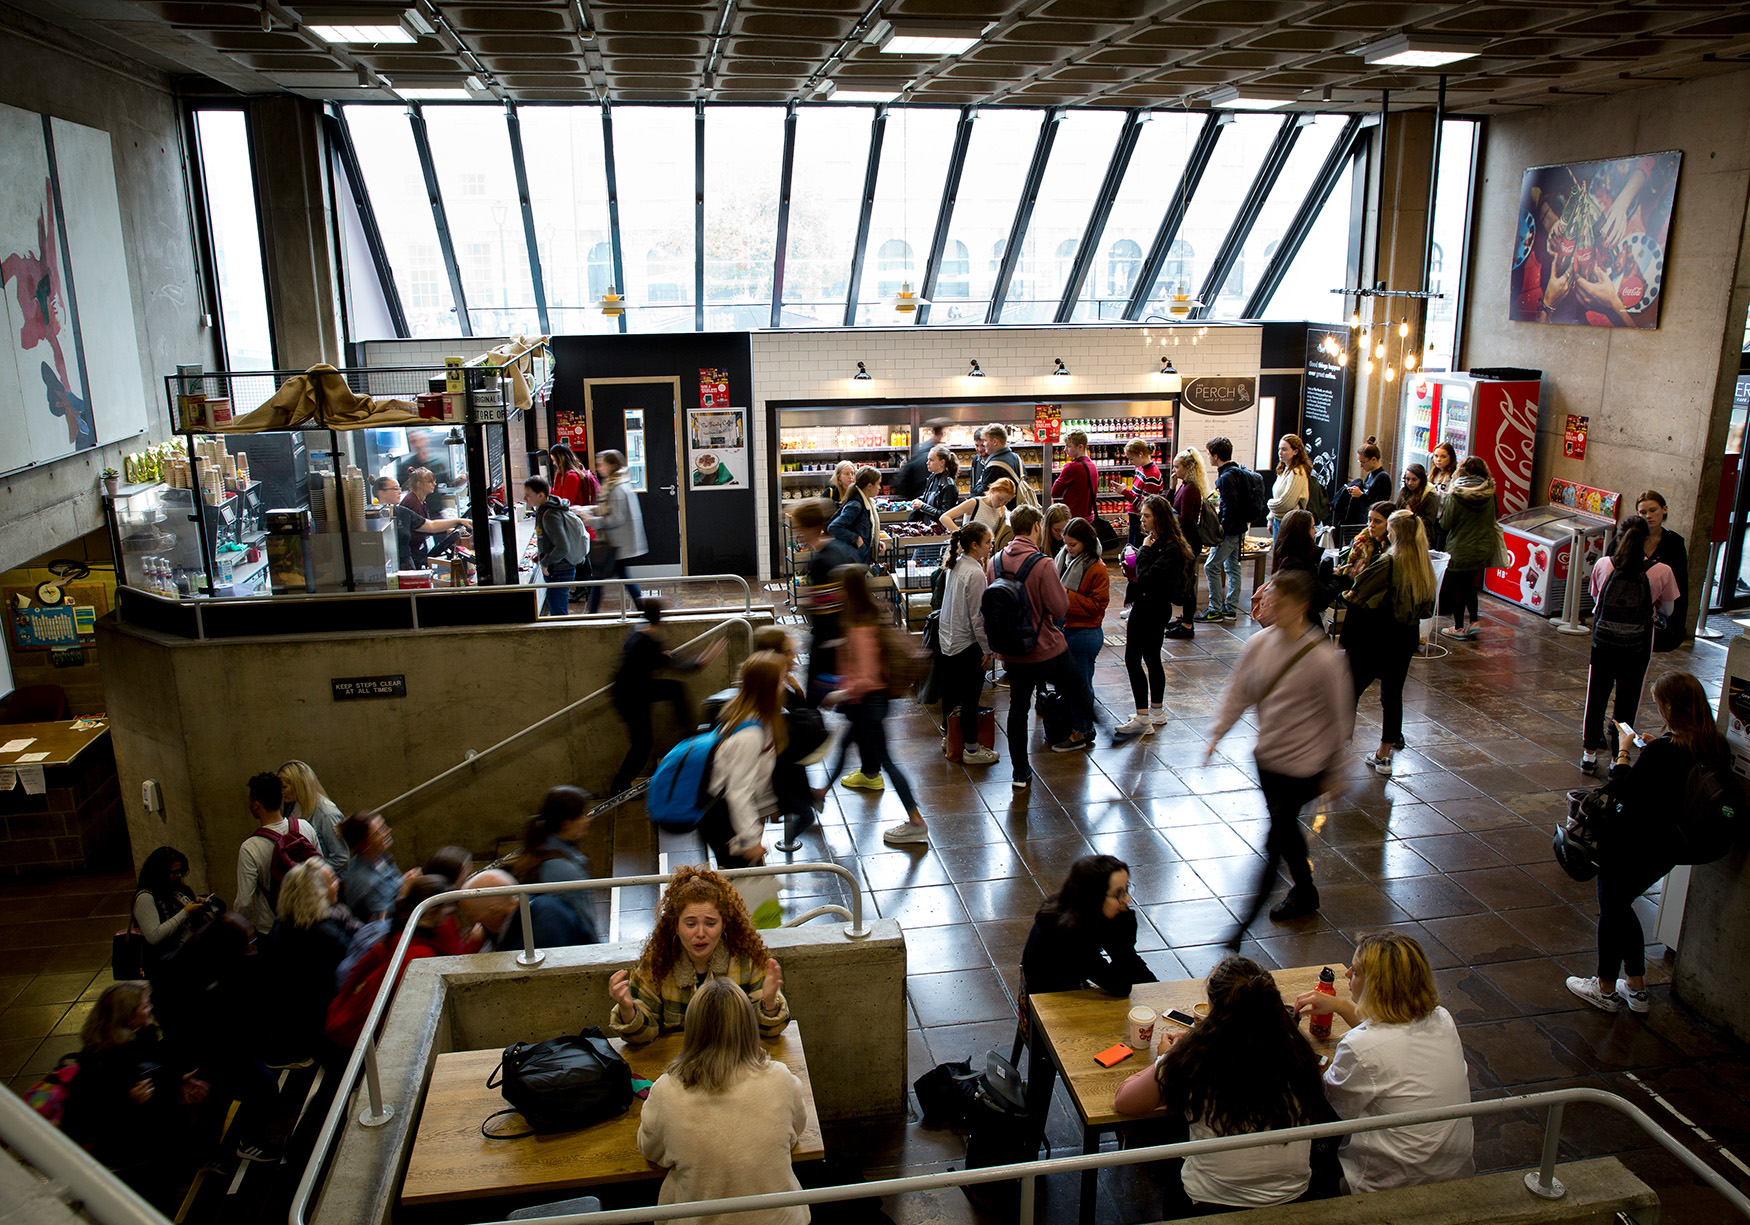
{"x": 848, "y": 996}
{"x": 201, "y": 717}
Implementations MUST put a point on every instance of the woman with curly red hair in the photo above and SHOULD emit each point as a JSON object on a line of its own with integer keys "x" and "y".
{"x": 703, "y": 932}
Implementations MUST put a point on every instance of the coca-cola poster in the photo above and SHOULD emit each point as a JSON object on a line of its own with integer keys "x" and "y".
{"x": 1591, "y": 241}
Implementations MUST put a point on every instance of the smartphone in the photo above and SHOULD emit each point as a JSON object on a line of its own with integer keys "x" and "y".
{"x": 1113, "y": 1055}
{"x": 1183, "y": 1018}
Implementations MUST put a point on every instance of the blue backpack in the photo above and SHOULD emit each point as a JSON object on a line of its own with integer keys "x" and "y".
{"x": 680, "y": 790}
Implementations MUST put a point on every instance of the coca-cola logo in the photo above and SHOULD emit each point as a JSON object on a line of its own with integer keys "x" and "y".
{"x": 1514, "y": 449}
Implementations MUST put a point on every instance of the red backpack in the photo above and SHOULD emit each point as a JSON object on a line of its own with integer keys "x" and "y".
{"x": 289, "y": 850}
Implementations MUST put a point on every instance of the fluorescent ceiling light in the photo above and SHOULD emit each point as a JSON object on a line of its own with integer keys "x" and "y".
{"x": 1417, "y": 51}
{"x": 350, "y": 25}
{"x": 901, "y": 36}
{"x": 864, "y": 95}
{"x": 359, "y": 33}
{"x": 440, "y": 89}
{"x": 1252, "y": 98}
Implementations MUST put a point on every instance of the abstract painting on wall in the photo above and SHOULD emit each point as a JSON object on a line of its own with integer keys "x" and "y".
{"x": 1590, "y": 247}
{"x": 70, "y": 362}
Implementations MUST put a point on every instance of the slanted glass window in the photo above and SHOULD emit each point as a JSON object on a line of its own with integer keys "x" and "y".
{"x": 653, "y": 164}
{"x": 1232, "y": 167}
{"x": 826, "y": 193}
{"x": 470, "y": 148}
{"x": 1150, "y": 180}
{"x": 984, "y": 210}
{"x": 744, "y": 153}
{"x": 1452, "y": 195}
{"x": 1298, "y": 172}
{"x": 1072, "y": 179}
{"x": 568, "y": 191}
{"x": 390, "y": 165}
{"x": 1321, "y": 264}
{"x": 908, "y": 193}
{"x": 952, "y": 280}
{"x": 227, "y": 172}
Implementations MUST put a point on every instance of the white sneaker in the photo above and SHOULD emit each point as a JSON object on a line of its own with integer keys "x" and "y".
{"x": 1589, "y": 990}
{"x": 1124, "y": 613}
{"x": 978, "y": 755}
{"x": 906, "y": 833}
{"x": 1158, "y": 715}
{"x": 1137, "y": 725}
{"x": 1637, "y": 1001}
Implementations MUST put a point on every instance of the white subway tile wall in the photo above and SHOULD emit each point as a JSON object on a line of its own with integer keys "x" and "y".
{"x": 931, "y": 363}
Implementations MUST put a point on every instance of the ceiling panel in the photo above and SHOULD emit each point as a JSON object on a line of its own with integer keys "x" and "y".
{"x": 1072, "y": 52}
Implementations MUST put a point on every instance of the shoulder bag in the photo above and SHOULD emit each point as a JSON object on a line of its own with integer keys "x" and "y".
{"x": 562, "y": 1084}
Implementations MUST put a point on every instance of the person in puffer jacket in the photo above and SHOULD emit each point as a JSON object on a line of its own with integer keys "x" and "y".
{"x": 1468, "y": 518}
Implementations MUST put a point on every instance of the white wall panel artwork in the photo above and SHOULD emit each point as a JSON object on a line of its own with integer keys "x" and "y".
{"x": 70, "y": 360}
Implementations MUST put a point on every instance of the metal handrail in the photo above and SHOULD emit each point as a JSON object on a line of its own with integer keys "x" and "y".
{"x": 474, "y": 759}
{"x": 1541, "y": 1182}
{"x": 74, "y": 1175}
{"x": 414, "y": 595}
{"x": 364, "y": 1053}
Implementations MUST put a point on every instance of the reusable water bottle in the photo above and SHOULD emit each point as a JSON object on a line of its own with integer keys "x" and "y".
{"x": 1314, "y": 1025}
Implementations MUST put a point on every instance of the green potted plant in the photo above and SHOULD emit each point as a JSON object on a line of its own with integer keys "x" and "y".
{"x": 111, "y": 481}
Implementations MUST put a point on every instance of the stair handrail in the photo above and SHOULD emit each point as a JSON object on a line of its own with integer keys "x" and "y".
{"x": 473, "y": 759}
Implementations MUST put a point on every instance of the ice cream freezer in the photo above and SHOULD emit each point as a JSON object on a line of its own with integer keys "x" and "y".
{"x": 1540, "y": 540}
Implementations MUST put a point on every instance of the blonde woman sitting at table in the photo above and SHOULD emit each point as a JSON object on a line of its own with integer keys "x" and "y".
{"x": 702, "y": 933}
{"x": 1245, "y": 1068}
{"x": 724, "y": 1117}
{"x": 1403, "y": 1054}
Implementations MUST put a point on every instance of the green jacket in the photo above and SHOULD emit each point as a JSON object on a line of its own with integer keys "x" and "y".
{"x": 1468, "y": 516}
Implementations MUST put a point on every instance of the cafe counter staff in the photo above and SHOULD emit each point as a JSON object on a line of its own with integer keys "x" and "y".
{"x": 703, "y": 932}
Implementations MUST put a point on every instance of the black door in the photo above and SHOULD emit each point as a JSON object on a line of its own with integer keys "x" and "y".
{"x": 638, "y": 419}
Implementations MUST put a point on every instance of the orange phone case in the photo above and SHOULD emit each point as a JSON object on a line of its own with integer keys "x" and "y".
{"x": 1113, "y": 1055}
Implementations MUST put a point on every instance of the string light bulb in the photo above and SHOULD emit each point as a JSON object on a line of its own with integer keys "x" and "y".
{"x": 1409, "y": 362}
{"x": 1390, "y": 374}
{"x": 1403, "y": 328}
{"x": 1379, "y": 351}
{"x": 1355, "y": 322}
{"x": 1367, "y": 366}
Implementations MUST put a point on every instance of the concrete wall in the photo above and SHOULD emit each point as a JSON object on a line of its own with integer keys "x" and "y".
{"x": 49, "y": 70}
{"x": 1658, "y": 400}
{"x": 201, "y": 717}
{"x": 847, "y": 996}
{"x": 929, "y": 362}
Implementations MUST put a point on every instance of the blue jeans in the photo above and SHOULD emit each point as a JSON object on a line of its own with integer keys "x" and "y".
{"x": 1224, "y": 559}
{"x": 559, "y": 598}
{"x": 1084, "y": 649}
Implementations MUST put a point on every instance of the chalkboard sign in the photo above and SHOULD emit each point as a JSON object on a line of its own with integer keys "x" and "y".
{"x": 357, "y": 688}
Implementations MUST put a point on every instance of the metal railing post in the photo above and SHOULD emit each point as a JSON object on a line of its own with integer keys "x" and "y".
{"x": 530, "y": 956}
{"x": 1028, "y": 1183}
{"x": 1543, "y": 1182}
{"x": 378, "y": 1113}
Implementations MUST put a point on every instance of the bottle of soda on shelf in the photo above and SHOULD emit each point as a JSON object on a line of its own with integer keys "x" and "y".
{"x": 1327, "y": 985}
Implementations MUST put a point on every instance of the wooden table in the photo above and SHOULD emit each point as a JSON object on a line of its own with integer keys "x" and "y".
{"x": 1070, "y": 1027}
{"x": 452, "y": 1161}
{"x": 58, "y": 740}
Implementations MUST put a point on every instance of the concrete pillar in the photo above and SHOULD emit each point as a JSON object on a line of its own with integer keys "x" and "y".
{"x": 297, "y": 231}
{"x": 1397, "y": 220}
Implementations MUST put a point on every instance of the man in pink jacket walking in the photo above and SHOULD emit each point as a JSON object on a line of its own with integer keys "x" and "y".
{"x": 1306, "y": 713}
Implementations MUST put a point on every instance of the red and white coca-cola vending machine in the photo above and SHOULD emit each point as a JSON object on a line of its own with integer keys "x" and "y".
{"x": 1492, "y": 413}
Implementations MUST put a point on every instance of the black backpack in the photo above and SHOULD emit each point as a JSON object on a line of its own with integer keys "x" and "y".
{"x": 1208, "y": 523}
{"x": 1706, "y": 827}
{"x": 561, "y": 1084}
{"x": 1318, "y": 501}
{"x": 1260, "y": 492}
{"x": 1624, "y": 616}
{"x": 1009, "y": 624}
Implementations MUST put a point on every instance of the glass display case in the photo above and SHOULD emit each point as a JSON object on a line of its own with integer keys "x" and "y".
{"x": 309, "y": 510}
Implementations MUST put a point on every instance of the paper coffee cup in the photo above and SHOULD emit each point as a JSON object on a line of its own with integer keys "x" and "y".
{"x": 1139, "y": 1029}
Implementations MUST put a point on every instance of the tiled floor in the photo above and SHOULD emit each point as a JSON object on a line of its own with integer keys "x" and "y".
{"x": 1454, "y": 850}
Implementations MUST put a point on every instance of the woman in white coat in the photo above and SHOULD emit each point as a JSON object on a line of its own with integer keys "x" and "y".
{"x": 724, "y": 1117}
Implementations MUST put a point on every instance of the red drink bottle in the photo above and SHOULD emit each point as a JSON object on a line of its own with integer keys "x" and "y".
{"x": 1314, "y": 1025}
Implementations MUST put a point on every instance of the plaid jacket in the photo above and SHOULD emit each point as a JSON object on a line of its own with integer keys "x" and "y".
{"x": 661, "y": 1007}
